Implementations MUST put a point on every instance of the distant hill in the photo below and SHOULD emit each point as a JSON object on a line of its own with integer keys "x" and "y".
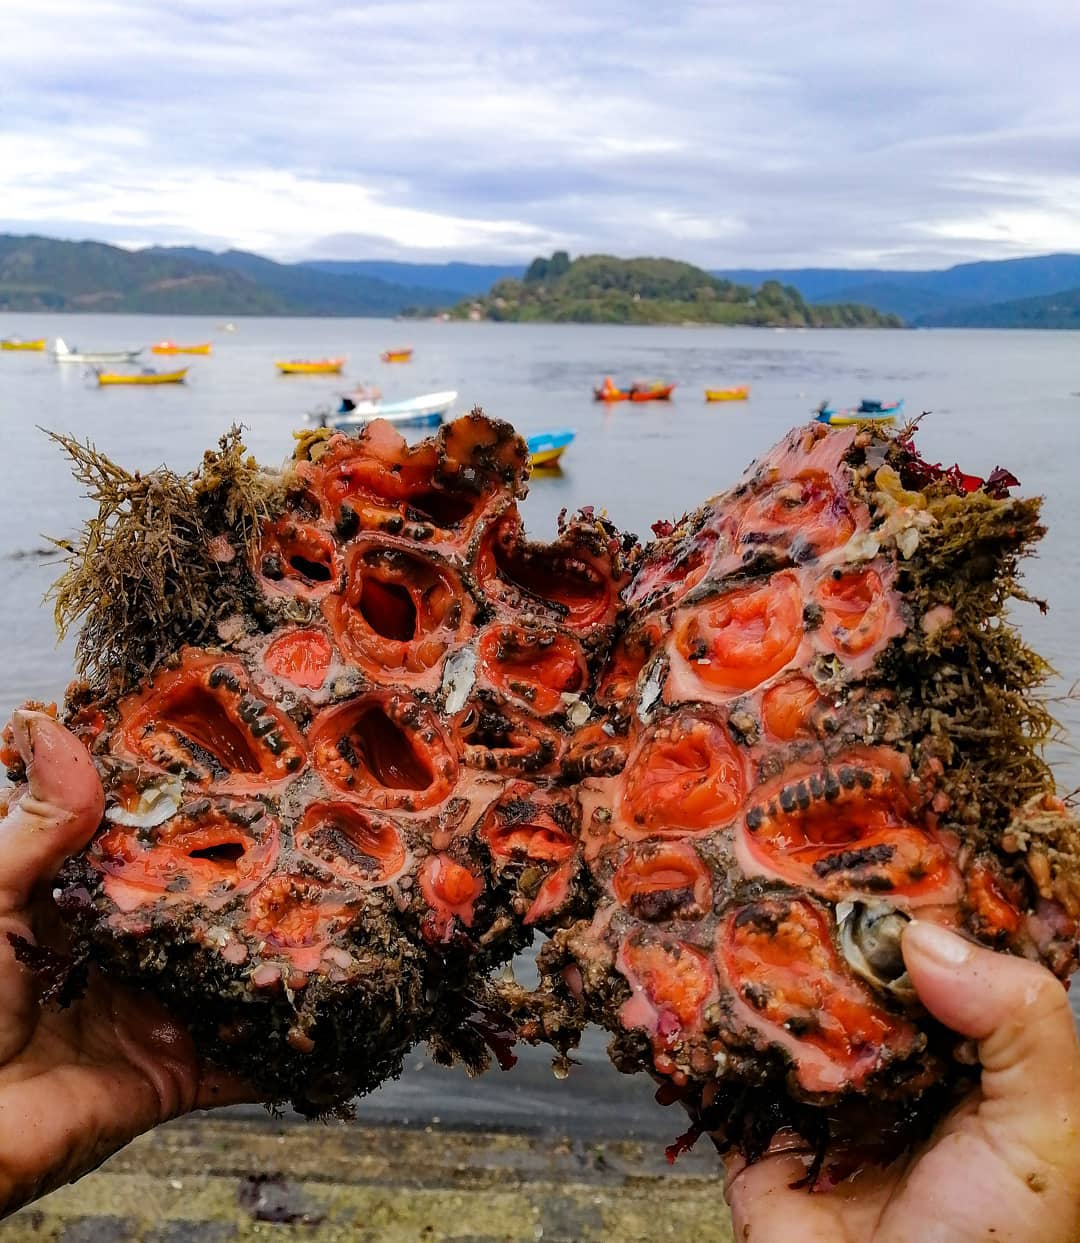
{"x": 456, "y": 280}
{"x": 920, "y": 295}
{"x": 310, "y": 291}
{"x": 1056, "y": 310}
{"x": 40, "y": 273}
{"x": 606, "y": 290}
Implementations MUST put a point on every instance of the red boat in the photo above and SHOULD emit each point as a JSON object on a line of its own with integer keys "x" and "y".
{"x": 653, "y": 391}
{"x": 639, "y": 390}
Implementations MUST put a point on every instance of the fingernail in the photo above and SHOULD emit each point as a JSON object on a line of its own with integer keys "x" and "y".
{"x": 22, "y": 727}
{"x": 943, "y": 946}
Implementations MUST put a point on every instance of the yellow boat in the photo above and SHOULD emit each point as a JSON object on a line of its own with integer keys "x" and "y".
{"x": 170, "y": 347}
{"x": 13, "y": 343}
{"x": 853, "y": 420}
{"x": 142, "y": 377}
{"x": 728, "y": 394}
{"x": 321, "y": 366}
{"x": 396, "y": 356}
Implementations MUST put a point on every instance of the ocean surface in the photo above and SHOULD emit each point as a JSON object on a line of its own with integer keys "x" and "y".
{"x": 995, "y": 398}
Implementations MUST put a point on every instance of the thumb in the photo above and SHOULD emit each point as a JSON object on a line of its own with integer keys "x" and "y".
{"x": 1019, "y": 1013}
{"x": 57, "y": 812}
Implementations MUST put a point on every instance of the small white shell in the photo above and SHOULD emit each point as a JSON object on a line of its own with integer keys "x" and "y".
{"x": 459, "y": 675}
{"x": 156, "y": 804}
{"x": 651, "y": 690}
{"x": 869, "y": 930}
{"x": 907, "y": 541}
{"x": 864, "y": 546}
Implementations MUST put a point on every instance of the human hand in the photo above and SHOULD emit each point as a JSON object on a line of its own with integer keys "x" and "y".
{"x": 1003, "y": 1167}
{"x": 75, "y": 1084}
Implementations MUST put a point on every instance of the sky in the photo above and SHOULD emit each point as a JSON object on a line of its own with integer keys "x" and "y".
{"x": 758, "y": 133}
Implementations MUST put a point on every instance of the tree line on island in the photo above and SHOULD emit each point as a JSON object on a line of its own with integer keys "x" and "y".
{"x": 601, "y": 289}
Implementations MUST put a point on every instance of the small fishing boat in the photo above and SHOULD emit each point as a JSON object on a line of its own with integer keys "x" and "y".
{"x": 396, "y": 356}
{"x": 728, "y": 394}
{"x": 639, "y": 390}
{"x": 317, "y": 366}
{"x": 428, "y": 410}
{"x": 170, "y": 347}
{"x": 651, "y": 390}
{"x": 17, "y": 343}
{"x": 64, "y": 353}
{"x": 141, "y": 377}
{"x": 867, "y": 411}
{"x": 546, "y": 448}
{"x": 229, "y": 327}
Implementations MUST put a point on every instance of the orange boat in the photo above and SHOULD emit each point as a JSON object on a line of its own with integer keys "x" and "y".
{"x": 170, "y": 347}
{"x": 396, "y": 356}
{"x": 652, "y": 391}
{"x": 639, "y": 390}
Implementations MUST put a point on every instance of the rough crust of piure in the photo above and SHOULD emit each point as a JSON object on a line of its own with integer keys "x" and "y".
{"x": 386, "y": 739}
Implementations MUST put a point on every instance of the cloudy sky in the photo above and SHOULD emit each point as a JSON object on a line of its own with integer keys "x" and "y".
{"x": 727, "y": 132}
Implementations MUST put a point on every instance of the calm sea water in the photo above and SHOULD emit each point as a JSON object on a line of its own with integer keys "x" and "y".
{"x": 1008, "y": 398}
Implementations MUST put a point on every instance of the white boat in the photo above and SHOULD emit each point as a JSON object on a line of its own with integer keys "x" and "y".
{"x": 429, "y": 410}
{"x": 63, "y": 353}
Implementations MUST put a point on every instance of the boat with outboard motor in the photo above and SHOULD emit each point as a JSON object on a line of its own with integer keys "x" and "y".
{"x": 427, "y": 410}
{"x": 64, "y": 353}
{"x": 868, "y": 410}
{"x": 546, "y": 448}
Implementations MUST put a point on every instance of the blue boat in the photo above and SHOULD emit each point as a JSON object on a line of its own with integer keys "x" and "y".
{"x": 867, "y": 411}
{"x": 545, "y": 448}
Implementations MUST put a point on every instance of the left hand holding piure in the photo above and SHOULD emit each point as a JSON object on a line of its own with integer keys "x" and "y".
{"x": 78, "y": 1083}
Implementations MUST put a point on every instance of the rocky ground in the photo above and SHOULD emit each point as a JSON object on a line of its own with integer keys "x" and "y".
{"x": 236, "y": 1177}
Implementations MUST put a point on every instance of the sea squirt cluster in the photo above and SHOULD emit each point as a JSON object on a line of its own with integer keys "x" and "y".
{"x": 720, "y": 773}
{"x": 826, "y": 729}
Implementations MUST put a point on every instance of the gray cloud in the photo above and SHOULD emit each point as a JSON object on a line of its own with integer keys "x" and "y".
{"x": 731, "y": 132}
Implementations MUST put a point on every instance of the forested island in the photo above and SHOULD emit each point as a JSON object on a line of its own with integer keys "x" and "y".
{"x": 601, "y": 289}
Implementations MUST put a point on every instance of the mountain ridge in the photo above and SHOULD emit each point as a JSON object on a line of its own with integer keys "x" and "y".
{"x": 48, "y": 274}
{"x": 41, "y": 273}
{"x": 928, "y": 292}
{"x": 1058, "y": 310}
{"x": 454, "y": 277}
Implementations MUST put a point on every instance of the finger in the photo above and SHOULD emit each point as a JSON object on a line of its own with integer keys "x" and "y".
{"x": 1020, "y": 1015}
{"x": 766, "y": 1197}
{"x": 761, "y": 1191}
{"x": 57, "y": 813}
{"x": 150, "y": 1039}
